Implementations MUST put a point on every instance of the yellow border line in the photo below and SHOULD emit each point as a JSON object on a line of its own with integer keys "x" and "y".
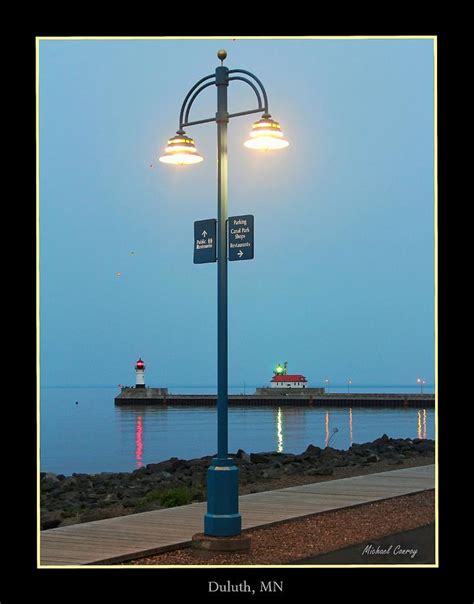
{"x": 38, "y": 514}
{"x": 435, "y": 185}
{"x": 115, "y": 566}
{"x": 205, "y": 566}
{"x": 433, "y": 37}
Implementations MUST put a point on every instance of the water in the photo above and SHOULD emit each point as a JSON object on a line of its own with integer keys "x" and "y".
{"x": 97, "y": 436}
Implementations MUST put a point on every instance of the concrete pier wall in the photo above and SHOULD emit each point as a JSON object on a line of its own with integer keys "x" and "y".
{"x": 150, "y": 396}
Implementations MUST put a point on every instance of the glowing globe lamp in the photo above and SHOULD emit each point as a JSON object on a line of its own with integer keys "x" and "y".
{"x": 181, "y": 150}
{"x": 266, "y": 134}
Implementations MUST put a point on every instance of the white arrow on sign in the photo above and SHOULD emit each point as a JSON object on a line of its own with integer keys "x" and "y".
{"x": 204, "y": 233}
{"x": 240, "y": 254}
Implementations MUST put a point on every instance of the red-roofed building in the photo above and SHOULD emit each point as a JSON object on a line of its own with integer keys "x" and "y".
{"x": 288, "y": 381}
{"x": 283, "y": 381}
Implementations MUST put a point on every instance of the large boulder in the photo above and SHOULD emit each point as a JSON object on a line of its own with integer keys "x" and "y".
{"x": 271, "y": 473}
{"x": 330, "y": 455}
{"x": 372, "y": 458}
{"x": 50, "y": 520}
{"x": 312, "y": 450}
{"x": 162, "y": 466}
{"x": 321, "y": 471}
{"x": 49, "y": 482}
{"x": 259, "y": 458}
{"x": 357, "y": 449}
{"x": 383, "y": 440}
{"x": 241, "y": 454}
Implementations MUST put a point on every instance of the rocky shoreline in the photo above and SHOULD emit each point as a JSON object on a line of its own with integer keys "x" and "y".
{"x": 66, "y": 500}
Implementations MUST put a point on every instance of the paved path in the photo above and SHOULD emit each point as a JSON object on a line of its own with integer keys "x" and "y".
{"x": 416, "y": 546}
{"x": 136, "y": 535}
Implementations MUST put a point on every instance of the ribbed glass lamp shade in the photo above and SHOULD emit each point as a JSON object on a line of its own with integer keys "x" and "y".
{"x": 266, "y": 134}
{"x": 181, "y": 150}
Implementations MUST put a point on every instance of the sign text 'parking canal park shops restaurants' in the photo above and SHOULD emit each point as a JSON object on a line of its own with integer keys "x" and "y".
{"x": 240, "y": 237}
{"x": 205, "y": 241}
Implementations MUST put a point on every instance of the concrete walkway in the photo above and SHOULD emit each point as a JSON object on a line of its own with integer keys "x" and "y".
{"x": 127, "y": 537}
{"x": 416, "y": 546}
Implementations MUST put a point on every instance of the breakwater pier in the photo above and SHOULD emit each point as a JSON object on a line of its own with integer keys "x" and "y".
{"x": 161, "y": 397}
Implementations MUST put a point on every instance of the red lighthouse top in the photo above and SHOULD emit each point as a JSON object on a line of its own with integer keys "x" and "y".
{"x": 140, "y": 364}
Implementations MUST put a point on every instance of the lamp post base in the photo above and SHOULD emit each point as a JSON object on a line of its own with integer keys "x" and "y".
{"x": 222, "y": 518}
{"x": 204, "y": 546}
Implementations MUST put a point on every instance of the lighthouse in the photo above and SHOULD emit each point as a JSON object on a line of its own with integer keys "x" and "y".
{"x": 140, "y": 373}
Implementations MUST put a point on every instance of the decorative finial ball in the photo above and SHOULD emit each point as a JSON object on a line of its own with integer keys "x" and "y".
{"x": 222, "y": 54}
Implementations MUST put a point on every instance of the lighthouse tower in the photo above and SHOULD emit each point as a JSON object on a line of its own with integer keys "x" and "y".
{"x": 140, "y": 372}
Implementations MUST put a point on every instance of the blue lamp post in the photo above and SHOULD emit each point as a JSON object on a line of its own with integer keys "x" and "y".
{"x": 223, "y": 517}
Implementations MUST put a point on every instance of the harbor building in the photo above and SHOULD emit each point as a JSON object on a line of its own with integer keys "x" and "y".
{"x": 282, "y": 380}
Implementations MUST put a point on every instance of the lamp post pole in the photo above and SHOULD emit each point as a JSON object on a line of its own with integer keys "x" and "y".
{"x": 222, "y": 119}
{"x": 421, "y": 382}
{"x": 223, "y": 518}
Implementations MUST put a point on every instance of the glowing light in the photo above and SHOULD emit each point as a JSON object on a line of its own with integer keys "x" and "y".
{"x": 419, "y": 425}
{"x": 266, "y": 134}
{"x": 327, "y": 428}
{"x": 279, "y": 419}
{"x": 139, "y": 442}
{"x": 424, "y": 423}
{"x": 181, "y": 151}
{"x": 421, "y": 382}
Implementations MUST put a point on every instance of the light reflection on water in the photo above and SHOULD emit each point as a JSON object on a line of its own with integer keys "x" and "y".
{"x": 350, "y": 427}
{"x": 279, "y": 420}
{"x": 421, "y": 424}
{"x": 139, "y": 442}
{"x": 97, "y": 436}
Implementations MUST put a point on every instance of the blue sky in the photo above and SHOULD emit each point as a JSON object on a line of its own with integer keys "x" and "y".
{"x": 342, "y": 284}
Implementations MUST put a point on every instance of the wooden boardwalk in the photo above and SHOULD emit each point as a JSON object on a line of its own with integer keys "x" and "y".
{"x": 127, "y": 537}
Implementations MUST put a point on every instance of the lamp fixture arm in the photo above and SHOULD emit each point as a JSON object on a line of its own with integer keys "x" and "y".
{"x": 183, "y": 106}
{"x": 257, "y": 93}
{"x": 200, "y": 86}
{"x": 264, "y": 94}
{"x": 191, "y": 101}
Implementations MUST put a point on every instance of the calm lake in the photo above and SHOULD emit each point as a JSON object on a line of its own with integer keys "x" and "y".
{"x": 96, "y": 436}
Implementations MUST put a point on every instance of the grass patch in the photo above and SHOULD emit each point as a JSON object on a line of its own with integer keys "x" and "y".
{"x": 170, "y": 498}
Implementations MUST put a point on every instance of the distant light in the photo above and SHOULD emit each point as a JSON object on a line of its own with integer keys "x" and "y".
{"x": 266, "y": 134}
{"x": 181, "y": 150}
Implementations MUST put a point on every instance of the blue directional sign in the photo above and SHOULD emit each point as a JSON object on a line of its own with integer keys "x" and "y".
{"x": 240, "y": 237}
{"x": 205, "y": 241}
